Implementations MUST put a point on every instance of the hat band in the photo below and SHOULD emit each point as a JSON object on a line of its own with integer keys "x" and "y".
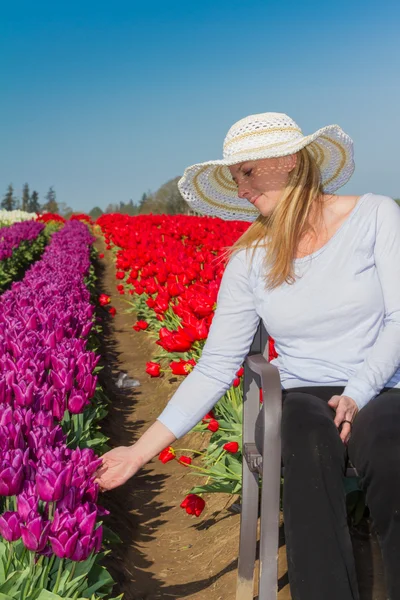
{"x": 260, "y": 132}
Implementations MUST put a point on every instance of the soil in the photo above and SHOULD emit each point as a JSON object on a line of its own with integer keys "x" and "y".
{"x": 166, "y": 553}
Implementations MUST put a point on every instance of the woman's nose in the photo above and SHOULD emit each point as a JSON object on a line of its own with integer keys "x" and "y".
{"x": 243, "y": 191}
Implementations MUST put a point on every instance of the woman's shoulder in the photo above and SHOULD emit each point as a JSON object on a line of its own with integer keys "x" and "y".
{"x": 249, "y": 260}
{"x": 377, "y": 200}
{"x": 379, "y": 206}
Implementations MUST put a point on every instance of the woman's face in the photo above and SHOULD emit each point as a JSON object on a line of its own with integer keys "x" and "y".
{"x": 262, "y": 181}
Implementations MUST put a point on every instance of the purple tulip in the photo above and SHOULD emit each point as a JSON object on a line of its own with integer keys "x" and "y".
{"x": 11, "y": 472}
{"x": 11, "y": 237}
{"x": 88, "y": 544}
{"x": 86, "y": 518}
{"x": 44, "y": 364}
{"x": 27, "y": 500}
{"x": 10, "y": 526}
{"x": 52, "y": 483}
{"x": 77, "y": 403}
{"x": 23, "y": 394}
{"x": 70, "y": 500}
{"x": 35, "y": 534}
{"x": 63, "y": 543}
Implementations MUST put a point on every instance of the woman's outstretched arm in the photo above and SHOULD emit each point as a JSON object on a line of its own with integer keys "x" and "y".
{"x": 229, "y": 340}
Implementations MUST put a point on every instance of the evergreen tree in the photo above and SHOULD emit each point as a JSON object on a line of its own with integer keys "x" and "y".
{"x": 25, "y": 197}
{"x": 143, "y": 201}
{"x": 95, "y": 213}
{"x": 33, "y": 205}
{"x": 9, "y": 202}
{"x": 50, "y": 205}
{"x": 64, "y": 210}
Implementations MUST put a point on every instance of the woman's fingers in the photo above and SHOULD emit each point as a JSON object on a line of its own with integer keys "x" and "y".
{"x": 345, "y": 432}
{"x": 346, "y": 409}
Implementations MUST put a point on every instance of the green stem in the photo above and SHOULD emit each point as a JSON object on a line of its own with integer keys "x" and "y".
{"x": 45, "y": 572}
{"x": 189, "y": 450}
{"x": 28, "y": 579}
{"x": 60, "y": 568}
{"x": 217, "y": 461}
{"x": 10, "y": 555}
{"x": 51, "y": 510}
{"x": 72, "y": 573}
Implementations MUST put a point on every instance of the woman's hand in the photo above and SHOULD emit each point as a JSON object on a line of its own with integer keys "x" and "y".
{"x": 118, "y": 466}
{"x": 346, "y": 410}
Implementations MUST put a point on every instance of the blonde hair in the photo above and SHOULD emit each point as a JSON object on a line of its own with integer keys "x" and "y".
{"x": 280, "y": 232}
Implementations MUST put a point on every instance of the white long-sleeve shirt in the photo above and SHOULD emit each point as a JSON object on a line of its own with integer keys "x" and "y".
{"x": 338, "y": 324}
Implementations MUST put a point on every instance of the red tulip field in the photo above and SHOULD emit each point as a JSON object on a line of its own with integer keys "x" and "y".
{"x": 99, "y": 324}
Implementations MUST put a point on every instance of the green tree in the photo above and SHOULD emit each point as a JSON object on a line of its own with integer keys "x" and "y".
{"x": 25, "y": 197}
{"x": 33, "y": 205}
{"x": 9, "y": 202}
{"x": 112, "y": 208}
{"x": 64, "y": 210}
{"x": 95, "y": 213}
{"x": 166, "y": 200}
{"x": 50, "y": 205}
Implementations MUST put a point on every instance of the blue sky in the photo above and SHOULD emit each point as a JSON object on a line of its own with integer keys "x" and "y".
{"x": 107, "y": 100}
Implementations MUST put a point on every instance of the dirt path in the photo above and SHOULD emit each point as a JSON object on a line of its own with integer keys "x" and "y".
{"x": 165, "y": 553}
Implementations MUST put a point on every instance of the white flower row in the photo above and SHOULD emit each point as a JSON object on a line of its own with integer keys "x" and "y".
{"x": 8, "y": 217}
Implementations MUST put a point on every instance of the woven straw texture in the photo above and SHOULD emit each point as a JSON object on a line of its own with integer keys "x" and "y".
{"x": 209, "y": 188}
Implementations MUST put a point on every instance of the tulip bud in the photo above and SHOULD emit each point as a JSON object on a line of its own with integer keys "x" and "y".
{"x": 35, "y": 533}
{"x": 231, "y": 447}
{"x": 153, "y": 369}
{"x": 213, "y": 425}
{"x": 193, "y": 504}
{"x": 166, "y": 455}
{"x": 10, "y": 526}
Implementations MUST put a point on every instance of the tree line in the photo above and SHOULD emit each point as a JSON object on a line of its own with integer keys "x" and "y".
{"x": 29, "y": 202}
{"x": 166, "y": 200}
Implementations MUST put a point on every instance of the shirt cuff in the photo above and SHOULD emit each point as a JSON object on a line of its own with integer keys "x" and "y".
{"x": 175, "y": 420}
{"x": 360, "y": 391}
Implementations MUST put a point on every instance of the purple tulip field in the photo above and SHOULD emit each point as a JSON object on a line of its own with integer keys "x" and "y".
{"x": 51, "y": 542}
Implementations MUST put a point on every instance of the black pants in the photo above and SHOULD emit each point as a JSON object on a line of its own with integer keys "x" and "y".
{"x": 319, "y": 550}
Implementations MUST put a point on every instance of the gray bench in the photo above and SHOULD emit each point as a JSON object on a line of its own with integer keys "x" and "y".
{"x": 259, "y": 374}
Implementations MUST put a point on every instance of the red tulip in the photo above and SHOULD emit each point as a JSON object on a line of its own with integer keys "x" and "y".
{"x": 140, "y": 325}
{"x": 236, "y": 382}
{"x": 104, "y": 299}
{"x": 208, "y": 417}
{"x": 240, "y": 372}
{"x": 120, "y": 275}
{"x": 193, "y": 504}
{"x": 231, "y": 447}
{"x": 174, "y": 341}
{"x": 112, "y": 311}
{"x": 166, "y": 455}
{"x": 183, "y": 367}
{"x": 153, "y": 369}
{"x": 272, "y": 353}
{"x": 101, "y": 255}
{"x": 185, "y": 460}
{"x": 213, "y": 425}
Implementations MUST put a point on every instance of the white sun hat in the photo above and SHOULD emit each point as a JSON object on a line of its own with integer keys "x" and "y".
{"x": 209, "y": 188}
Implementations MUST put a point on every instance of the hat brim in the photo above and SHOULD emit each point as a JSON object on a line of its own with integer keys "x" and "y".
{"x": 208, "y": 187}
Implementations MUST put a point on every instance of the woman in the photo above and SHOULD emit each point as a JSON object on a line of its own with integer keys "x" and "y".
{"x": 321, "y": 271}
